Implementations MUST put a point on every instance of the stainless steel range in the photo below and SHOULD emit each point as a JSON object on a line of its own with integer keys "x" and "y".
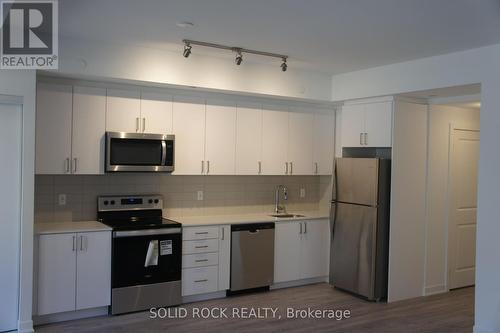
{"x": 146, "y": 253}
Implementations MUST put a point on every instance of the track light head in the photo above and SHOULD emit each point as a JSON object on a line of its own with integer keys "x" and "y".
{"x": 239, "y": 58}
{"x": 284, "y": 66}
{"x": 187, "y": 50}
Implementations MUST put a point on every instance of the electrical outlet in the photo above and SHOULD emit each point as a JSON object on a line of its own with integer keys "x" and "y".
{"x": 302, "y": 192}
{"x": 200, "y": 195}
{"x": 61, "y": 199}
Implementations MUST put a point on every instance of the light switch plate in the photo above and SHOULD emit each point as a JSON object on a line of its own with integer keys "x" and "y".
{"x": 200, "y": 195}
{"x": 302, "y": 192}
{"x": 61, "y": 199}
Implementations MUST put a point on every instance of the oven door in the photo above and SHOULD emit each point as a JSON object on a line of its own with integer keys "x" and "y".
{"x": 136, "y": 152}
{"x": 142, "y": 257}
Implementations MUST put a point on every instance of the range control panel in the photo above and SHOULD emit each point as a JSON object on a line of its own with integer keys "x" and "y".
{"x": 129, "y": 202}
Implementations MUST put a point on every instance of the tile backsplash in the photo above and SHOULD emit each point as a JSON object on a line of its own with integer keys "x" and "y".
{"x": 221, "y": 194}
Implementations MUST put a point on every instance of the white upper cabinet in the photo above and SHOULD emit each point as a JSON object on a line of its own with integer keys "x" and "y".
{"x": 220, "y": 137}
{"x": 300, "y": 142}
{"x": 367, "y": 124}
{"x": 123, "y": 111}
{"x": 275, "y": 141}
{"x": 53, "y": 128}
{"x": 189, "y": 130}
{"x": 156, "y": 113}
{"x": 323, "y": 142}
{"x": 248, "y": 139}
{"x": 89, "y": 119}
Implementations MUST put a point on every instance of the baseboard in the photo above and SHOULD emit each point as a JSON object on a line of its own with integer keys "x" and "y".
{"x": 70, "y": 315}
{"x": 297, "y": 283}
{"x": 203, "y": 297}
{"x": 437, "y": 289}
{"x": 478, "y": 329}
{"x": 25, "y": 326}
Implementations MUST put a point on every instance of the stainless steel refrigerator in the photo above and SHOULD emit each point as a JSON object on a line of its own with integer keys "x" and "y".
{"x": 359, "y": 220}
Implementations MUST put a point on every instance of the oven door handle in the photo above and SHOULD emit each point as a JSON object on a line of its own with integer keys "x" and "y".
{"x": 163, "y": 152}
{"x": 146, "y": 232}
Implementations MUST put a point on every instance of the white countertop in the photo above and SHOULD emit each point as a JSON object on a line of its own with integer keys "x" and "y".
{"x": 188, "y": 221}
{"x": 69, "y": 227}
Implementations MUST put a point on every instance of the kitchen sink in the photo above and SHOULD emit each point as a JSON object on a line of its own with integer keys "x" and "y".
{"x": 286, "y": 215}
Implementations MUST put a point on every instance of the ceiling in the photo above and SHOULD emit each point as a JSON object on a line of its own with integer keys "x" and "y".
{"x": 334, "y": 36}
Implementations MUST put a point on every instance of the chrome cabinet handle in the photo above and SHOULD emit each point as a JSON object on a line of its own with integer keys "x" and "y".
{"x": 74, "y": 243}
{"x": 201, "y": 233}
{"x": 366, "y": 138}
{"x": 260, "y": 167}
{"x": 286, "y": 168}
{"x": 223, "y": 233}
{"x": 300, "y": 224}
{"x": 137, "y": 124}
{"x": 201, "y": 247}
{"x": 66, "y": 165}
{"x": 201, "y": 260}
{"x": 204, "y": 280}
{"x": 316, "y": 167}
{"x": 75, "y": 164}
{"x": 143, "y": 125}
{"x": 305, "y": 227}
{"x": 208, "y": 167}
{"x": 81, "y": 243}
{"x": 202, "y": 167}
{"x": 360, "y": 139}
{"x": 291, "y": 168}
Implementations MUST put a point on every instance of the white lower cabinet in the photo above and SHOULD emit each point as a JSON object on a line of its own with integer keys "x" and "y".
{"x": 74, "y": 271}
{"x": 301, "y": 250}
{"x": 205, "y": 259}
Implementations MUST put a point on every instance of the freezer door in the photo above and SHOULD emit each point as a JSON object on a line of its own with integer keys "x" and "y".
{"x": 353, "y": 248}
{"x": 356, "y": 180}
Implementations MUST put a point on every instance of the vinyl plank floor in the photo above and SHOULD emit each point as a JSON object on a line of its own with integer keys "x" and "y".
{"x": 452, "y": 312}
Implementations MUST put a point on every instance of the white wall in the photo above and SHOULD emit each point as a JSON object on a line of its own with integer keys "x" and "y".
{"x": 165, "y": 67}
{"x": 440, "y": 119}
{"x": 22, "y": 83}
{"x": 480, "y": 65}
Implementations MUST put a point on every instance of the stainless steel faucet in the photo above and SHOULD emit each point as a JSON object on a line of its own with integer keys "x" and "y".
{"x": 280, "y": 209}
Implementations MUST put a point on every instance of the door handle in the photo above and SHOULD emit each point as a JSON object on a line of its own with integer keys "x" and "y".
{"x": 201, "y": 247}
{"x": 286, "y": 168}
{"x": 316, "y": 167}
{"x": 201, "y": 260}
{"x": 74, "y": 243}
{"x": 201, "y": 233}
{"x": 81, "y": 243}
{"x": 66, "y": 165}
{"x": 208, "y": 167}
{"x": 366, "y": 138}
{"x": 202, "y": 167}
{"x": 305, "y": 227}
{"x": 360, "y": 139}
{"x": 137, "y": 124}
{"x": 300, "y": 225}
{"x": 204, "y": 280}
{"x": 143, "y": 125}
{"x": 291, "y": 168}
{"x": 260, "y": 167}
{"x": 223, "y": 232}
{"x": 75, "y": 164}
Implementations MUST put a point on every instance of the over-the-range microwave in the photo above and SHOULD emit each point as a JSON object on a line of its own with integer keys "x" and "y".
{"x": 139, "y": 152}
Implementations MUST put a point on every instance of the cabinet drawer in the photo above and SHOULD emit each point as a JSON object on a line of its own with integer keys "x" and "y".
{"x": 191, "y": 233}
{"x": 200, "y": 246}
{"x": 200, "y": 260}
{"x": 199, "y": 280}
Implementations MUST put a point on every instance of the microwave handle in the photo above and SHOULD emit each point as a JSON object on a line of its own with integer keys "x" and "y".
{"x": 163, "y": 152}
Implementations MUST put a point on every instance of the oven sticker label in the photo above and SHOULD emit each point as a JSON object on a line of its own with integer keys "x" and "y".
{"x": 165, "y": 247}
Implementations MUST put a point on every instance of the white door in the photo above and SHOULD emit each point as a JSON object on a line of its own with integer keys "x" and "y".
{"x": 378, "y": 124}
{"x": 323, "y": 143}
{"x": 300, "y": 142}
{"x": 10, "y": 216}
{"x": 189, "y": 130}
{"x": 353, "y": 125}
{"x": 93, "y": 270}
{"x": 274, "y": 140}
{"x": 464, "y": 160}
{"x": 54, "y": 103}
{"x": 287, "y": 243}
{"x": 314, "y": 256}
{"x": 89, "y": 127}
{"x": 123, "y": 111}
{"x": 56, "y": 273}
{"x": 248, "y": 139}
{"x": 220, "y": 137}
{"x": 224, "y": 257}
{"x": 156, "y": 113}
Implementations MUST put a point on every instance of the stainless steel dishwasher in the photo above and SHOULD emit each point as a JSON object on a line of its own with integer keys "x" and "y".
{"x": 252, "y": 256}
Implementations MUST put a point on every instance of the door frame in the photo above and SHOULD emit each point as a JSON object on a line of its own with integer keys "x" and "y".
{"x": 449, "y": 206}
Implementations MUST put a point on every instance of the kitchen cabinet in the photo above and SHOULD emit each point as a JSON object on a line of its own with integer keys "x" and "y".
{"x": 248, "y": 139}
{"x": 275, "y": 140}
{"x": 300, "y": 142}
{"x": 367, "y": 124}
{"x": 53, "y": 128}
{"x": 156, "y": 113}
{"x": 189, "y": 130}
{"x": 301, "y": 250}
{"x": 74, "y": 271}
{"x": 220, "y": 138}
{"x": 323, "y": 142}
{"x": 123, "y": 111}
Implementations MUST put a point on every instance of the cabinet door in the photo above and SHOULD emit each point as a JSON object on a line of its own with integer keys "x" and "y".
{"x": 189, "y": 130}
{"x": 93, "y": 267}
{"x": 54, "y": 104}
{"x": 56, "y": 273}
{"x": 300, "y": 142}
{"x": 287, "y": 245}
{"x": 89, "y": 126}
{"x": 324, "y": 137}
{"x": 274, "y": 140}
{"x": 315, "y": 249}
{"x": 156, "y": 113}
{"x": 353, "y": 125}
{"x": 248, "y": 139}
{"x": 378, "y": 124}
{"x": 123, "y": 111}
{"x": 220, "y": 137}
{"x": 224, "y": 256}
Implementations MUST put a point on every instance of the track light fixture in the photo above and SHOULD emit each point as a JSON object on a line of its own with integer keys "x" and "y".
{"x": 239, "y": 52}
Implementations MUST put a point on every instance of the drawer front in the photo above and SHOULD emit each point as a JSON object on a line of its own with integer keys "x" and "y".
{"x": 200, "y": 246}
{"x": 192, "y": 233}
{"x": 199, "y": 280}
{"x": 200, "y": 260}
